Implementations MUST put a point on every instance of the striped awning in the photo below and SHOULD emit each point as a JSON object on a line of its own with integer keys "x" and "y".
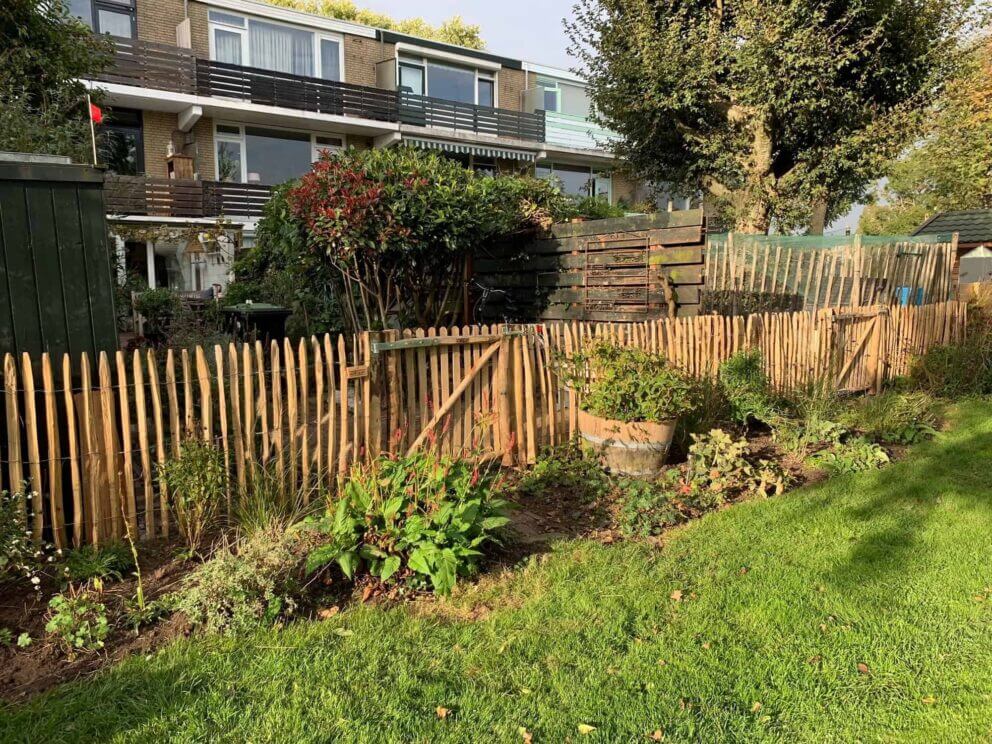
{"x": 465, "y": 149}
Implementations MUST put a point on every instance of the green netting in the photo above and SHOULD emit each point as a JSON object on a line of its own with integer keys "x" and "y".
{"x": 747, "y": 273}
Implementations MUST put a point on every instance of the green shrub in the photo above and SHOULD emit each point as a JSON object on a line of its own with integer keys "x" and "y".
{"x": 254, "y": 581}
{"x": 712, "y": 411}
{"x": 809, "y": 420}
{"x": 717, "y": 471}
{"x": 565, "y": 468}
{"x": 21, "y": 558}
{"x": 630, "y": 384}
{"x": 196, "y": 481}
{"x": 647, "y": 508}
{"x": 597, "y": 208}
{"x": 854, "y": 455}
{"x": 958, "y": 370}
{"x": 77, "y": 621}
{"x": 893, "y": 417}
{"x": 422, "y": 518}
{"x": 744, "y": 383}
{"x": 159, "y": 307}
{"x": 112, "y": 561}
{"x": 6, "y": 638}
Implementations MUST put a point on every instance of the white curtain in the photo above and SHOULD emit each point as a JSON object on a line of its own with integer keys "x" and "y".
{"x": 280, "y": 49}
{"x": 227, "y": 46}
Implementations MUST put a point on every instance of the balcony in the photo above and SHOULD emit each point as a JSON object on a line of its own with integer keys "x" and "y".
{"x": 163, "y": 197}
{"x": 163, "y": 67}
{"x": 576, "y": 131}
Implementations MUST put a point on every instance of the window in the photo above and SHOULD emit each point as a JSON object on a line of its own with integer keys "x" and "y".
{"x": 577, "y": 180}
{"x": 249, "y": 154}
{"x": 448, "y": 82}
{"x": 274, "y": 46}
{"x": 484, "y": 166}
{"x": 411, "y": 79}
{"x": 551, "y": 95}
{"x": 487, "y": 92}
{"x": 114, "y": 17}
{"x": 121, "y": 144}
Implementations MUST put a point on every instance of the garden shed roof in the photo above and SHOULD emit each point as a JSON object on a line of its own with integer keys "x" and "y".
{"x": 972, "y": 225}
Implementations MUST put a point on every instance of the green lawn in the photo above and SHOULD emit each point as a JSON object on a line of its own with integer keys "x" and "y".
{"x": 782, "y": 601}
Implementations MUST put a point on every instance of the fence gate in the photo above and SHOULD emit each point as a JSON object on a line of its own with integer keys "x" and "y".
{"x": 470, "y": 390}
{"x": 858, "y": 335}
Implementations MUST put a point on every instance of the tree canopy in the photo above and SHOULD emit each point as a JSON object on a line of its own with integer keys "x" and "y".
{"x": 951, "y": 166}
{"x": 452, "y": 31}
{"x": 768, "y": 107}
{"x": 43, "y": 55}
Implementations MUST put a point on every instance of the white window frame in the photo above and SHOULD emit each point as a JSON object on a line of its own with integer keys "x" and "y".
{"x": 596, "y": 178}
{"x": 242, "y": 31}
{"x": 318, "y": 63}
{"x": 423, "y": 62}
{"x": 241, "y": 141}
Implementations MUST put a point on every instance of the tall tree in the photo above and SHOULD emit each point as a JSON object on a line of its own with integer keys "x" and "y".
{"x": 452, "y": 31}
{"x": 951, "y": 166}
{"x": 768, "y": 107}
{"x": 44, "y": 53}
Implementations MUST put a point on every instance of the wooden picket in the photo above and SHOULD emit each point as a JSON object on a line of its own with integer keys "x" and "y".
{"x": 307, "y": 412}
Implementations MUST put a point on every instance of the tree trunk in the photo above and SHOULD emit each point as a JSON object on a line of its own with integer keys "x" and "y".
{"x": 818, "y": 219}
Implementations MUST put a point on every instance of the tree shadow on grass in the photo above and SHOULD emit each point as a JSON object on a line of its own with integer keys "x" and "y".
{"x": 901, "y": 501}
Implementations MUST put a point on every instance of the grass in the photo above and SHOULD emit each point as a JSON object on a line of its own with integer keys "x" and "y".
{"x": 781, "y": 601}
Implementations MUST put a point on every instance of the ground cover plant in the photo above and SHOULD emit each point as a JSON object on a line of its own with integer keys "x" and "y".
{"x": 856, "y": 607}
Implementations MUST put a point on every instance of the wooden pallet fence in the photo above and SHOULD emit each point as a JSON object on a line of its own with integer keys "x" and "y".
{"x": 87, "y": 435}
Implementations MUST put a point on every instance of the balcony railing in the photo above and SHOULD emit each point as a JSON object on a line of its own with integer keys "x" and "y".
{"x": 163, "y": 67}
{"x": 164, "y": 197}
{"x": 576, "y": 131}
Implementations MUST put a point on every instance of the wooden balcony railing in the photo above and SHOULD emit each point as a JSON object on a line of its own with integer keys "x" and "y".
{"x": 436, "y": 112}
{"x": 159, "y": 66}
{"x": 164, "y": 197}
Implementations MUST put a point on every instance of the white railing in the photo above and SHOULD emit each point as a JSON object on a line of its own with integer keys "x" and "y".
{"x": 576, "y": 131}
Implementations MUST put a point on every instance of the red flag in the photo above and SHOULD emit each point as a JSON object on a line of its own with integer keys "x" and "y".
{"x": 96, "y": 114}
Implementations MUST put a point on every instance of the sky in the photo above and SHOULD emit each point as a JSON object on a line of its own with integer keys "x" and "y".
{"x": 524, "y": 29}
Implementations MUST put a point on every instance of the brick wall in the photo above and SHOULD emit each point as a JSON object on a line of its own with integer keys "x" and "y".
{"x": 511, "y": 87}
{"x": 199, "y": 29}
{"x": 157, "y": 131}
{"x": 157, "y": 20}
{"x": 160, "y": 128}
{"x": 361, "y": 56}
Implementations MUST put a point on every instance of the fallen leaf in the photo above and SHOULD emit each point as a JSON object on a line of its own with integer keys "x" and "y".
{"x": 744, "y": 570}
{"x": 676, "y": 595}
{"x": 863, "y": 668}
{"x": 929, "y": 700}
{"x": 707, "y": 645}
{"x": 366, "y": 593}
{"x": 442, "y": 712}
{"x": 526, "y": 735}
{"x": 662, "y": 662}
{"x": 328, "y": 612}
{"x": 814, "y": 660}
{"x": 756, "y": 707}
{"x": 585, "y": 729}
{"x": 658, "y": 735}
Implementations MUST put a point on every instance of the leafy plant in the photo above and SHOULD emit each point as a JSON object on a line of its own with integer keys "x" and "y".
{"x": 138, "y": 613}
{"x": 893, "y": 417}
{"x": 196, "y": 481}
{"x": 852, "y": 456}
{"x": 252, "y": 581}
{"x": 598, "y": 208}
{"x": 265, "y": 502}
{"x": 423, "y": 518}
{"x": 744, "y": 383}
{"x": 109, "y": 562}
{"x": 77, "y": 621}
{"x": 649, "y": 507}
{"x": 159, "y": 307}
{"x": 21, "y": 557}
{"x": 565, "y": 468}
{"x": 6, "y": 637}
{"x": 629, "y": 384}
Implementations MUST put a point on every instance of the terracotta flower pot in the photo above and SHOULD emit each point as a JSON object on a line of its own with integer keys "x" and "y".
{"x": 636, "y": 449}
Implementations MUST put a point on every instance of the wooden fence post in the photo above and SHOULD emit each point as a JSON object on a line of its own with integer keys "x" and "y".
{"x": 376, "y": 382}
{"x": 505, "y": 403}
